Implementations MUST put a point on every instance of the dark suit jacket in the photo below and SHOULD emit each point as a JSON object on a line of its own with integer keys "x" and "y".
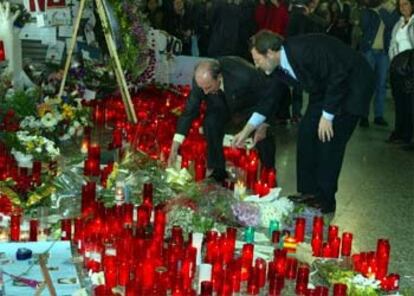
{"x": 246, "y": 90}
{"x": 335, "y": 76}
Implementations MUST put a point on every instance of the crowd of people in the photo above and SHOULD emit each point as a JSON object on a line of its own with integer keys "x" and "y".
{"x": 341, "y": 54}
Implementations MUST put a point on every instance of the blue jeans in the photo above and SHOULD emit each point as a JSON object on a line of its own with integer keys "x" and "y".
{"x": 379, "y": 62}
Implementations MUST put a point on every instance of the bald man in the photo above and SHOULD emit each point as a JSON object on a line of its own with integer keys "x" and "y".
{"x": 232, "y": 88}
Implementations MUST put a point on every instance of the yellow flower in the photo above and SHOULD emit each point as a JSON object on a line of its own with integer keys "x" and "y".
{"x": 30, "y": 146}
{"x": 68, "y": 112}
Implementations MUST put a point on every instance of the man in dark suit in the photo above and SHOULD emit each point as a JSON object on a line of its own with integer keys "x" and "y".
{"x": 232, "y": 88}
{"x": 340, "y": 84}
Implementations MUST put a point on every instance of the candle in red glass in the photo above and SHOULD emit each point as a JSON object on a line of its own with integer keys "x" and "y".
{"x": 291, "y": 268}
{"x": 117, "y": 138}
{"x": 326, "y": 250}
{"x": 123, "y": 276}
{"x": 280, "y": 257}
{"x": 317, "y": 246}
{"x": 332, "y": 232}
{"x": 91, "y": 167}
{"x": 159, "y": 222}
{"x": 260, "y": 266}
{"x": 300, "y": 229}
{"x": 335, "y": 246}
{"x": 339, "y": 289}
{"x": 246, "y": 261}
{"x": 251, "y": 173}
{"x": 217, "y": 276}
{"x": 34, "y": 228}
{"x": 144, "y": 216}
{"x": 2, "y": 52}
{"x": 276, "y": 237}
{"x": 200, "y": 172}
{"x": 147, "y": 194}
{"x": 94, "y": 151}
{"x": 302, "y": 280}
{"x": 346, "y": 244}
{"x": 318, "y": 227}
{"x": 128, "y": 214}
{"x": 272, "y": 179}
{"x": 111, "y": 278}
{"x": 382, "y": 258}
{"x": 15, "y": 227}
{"x": 66, "y": 227}
{"x": 206, "y": 288}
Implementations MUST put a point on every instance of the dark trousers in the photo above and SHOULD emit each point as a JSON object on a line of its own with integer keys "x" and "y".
{"x": 318, "y": 163}
{"x": 216, "y": 120}
{"x": 403, "y": 104}
{"x": 297, "y": 101}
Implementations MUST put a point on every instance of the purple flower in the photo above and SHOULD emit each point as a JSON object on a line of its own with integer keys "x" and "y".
{"x": 246, "y": 214}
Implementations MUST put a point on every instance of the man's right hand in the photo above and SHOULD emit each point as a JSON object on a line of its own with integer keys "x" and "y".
{"x": 260, "y": 133}
{"x": 172, "y": 159}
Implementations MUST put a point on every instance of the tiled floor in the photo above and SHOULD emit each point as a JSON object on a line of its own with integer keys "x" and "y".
{"x": 376, "y": 191}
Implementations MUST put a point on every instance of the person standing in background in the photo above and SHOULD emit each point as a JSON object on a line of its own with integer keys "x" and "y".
{"x": 377, "y": 21}
{"x": 402, "y": 42}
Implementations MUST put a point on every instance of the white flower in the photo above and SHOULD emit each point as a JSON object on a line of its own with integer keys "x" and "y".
{"x": 76, "y": 124}
{"x": 28, "y": 121}
{"x": 65, "y": 137}
{"x": 38, "y": 149}
{"x": 71, "y": 131}
{"x": 24, "y": 160}
{"x": 48, "y": 120}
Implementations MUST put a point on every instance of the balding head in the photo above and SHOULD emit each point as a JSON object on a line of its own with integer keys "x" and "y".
{"x": 208, "y": 77}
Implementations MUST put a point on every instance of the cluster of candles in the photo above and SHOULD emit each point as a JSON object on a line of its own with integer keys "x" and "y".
{"x": 375, "y": 265}
{"x": 156, "y": 113}
{"x": 128, "y": 242}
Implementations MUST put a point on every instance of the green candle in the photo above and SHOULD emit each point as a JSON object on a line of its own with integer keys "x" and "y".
{"x": 273, "y": 226}
{"x": 249, "y": 235}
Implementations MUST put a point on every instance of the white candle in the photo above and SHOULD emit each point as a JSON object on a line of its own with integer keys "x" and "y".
{"x": 197, "y": 243}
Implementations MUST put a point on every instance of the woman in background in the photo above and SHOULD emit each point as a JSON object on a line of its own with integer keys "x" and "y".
{"x": 402, "y": 42}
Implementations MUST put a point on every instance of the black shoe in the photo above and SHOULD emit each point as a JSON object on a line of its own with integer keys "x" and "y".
{"x": 363, "y": 122}
{"x": 325, "y": 209}
{"x": 408, "y": 147}
{"x": 394, "y": 139}
{"x": 380, "y": 121}
{"x": 301, "y": 198}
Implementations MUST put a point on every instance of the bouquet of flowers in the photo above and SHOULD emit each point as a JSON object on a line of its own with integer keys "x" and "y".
{"x": 59, "y": 122}
{"x": 26, "y": 148}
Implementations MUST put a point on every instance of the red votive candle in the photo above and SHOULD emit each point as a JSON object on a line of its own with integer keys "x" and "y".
{"x": 300, "y": 229}
{"x": 91, "y": 167}
{"x": 66, "y": 227}
{"x": 117, "y": 138}
{"x": 94, "y": 152}
{"x": 302, "y": 279}
{"x": 260, "y": 267}
{"x": 316, "y": 246}
{"x": 247, "y": 260}
{"x": 339, "y": 289}
{"x": 34, "y": 228}
{"x": 332, "y": 232}
{"x": 318, "y": 227}
{"x": 326, "y": 250}
{"x": 335, "y": 246}
{"x": 346, "y": 244}
{"x": 147, "y": 194}
{"x": 200, "y": 172}
{"x": 280, "y": 257}
{"x": 15, "y": 227}
{"x": 291, "y": 268}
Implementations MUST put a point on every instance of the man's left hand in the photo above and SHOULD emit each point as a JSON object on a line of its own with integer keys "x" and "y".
{"x": 325, "y": 130}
